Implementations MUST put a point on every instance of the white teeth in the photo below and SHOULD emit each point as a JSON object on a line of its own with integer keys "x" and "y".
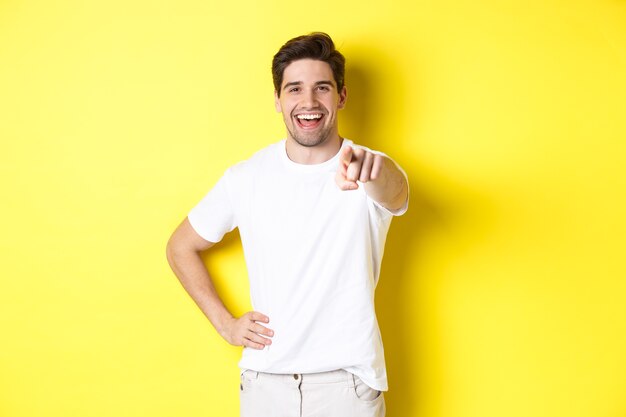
{"x": 309, "y": 116}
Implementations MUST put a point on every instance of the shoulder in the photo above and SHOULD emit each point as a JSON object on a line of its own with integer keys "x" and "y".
{"x": 256, "y": 162}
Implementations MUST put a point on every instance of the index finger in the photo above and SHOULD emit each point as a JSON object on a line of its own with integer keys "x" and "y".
{"x": 256, "y": 316}
{"x": 346, "y": 155}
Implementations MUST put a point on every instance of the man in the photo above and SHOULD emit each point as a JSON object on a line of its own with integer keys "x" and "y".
{"x": 313, "y": 211}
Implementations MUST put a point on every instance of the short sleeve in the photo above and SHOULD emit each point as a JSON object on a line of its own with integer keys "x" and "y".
{"x": 214, "y": 215}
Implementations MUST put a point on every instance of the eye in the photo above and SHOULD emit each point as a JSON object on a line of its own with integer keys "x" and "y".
{"x": 323, "y": 88}
{"x": 294, "y": 89}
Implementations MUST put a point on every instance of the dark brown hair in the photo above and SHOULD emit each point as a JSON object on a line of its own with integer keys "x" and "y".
{"x": 316, "y": 45}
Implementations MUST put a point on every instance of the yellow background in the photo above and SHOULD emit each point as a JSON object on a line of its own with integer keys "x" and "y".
{"x": 503, "y": 288}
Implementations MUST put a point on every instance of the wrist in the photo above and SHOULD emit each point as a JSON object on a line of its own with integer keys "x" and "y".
{"x": 224, "y": 324}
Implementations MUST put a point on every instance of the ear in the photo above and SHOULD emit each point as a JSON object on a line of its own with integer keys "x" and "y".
{"x": 343, "y": 96}
{"x": 279, "y": 108}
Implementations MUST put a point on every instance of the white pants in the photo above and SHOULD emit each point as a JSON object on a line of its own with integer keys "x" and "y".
{"x": 326, "y": 394}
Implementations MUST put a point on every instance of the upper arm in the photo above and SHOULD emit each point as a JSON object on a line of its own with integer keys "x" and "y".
{"x": 185, "y": 238}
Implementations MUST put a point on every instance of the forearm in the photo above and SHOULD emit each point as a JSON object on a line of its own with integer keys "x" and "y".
{"x": 195, "y": 279}
{"x": 390, "y": 187}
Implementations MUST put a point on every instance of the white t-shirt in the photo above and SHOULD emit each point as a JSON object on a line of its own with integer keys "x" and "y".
{"x": 313, "y": 254}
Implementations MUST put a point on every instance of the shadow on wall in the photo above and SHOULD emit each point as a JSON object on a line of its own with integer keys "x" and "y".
{"x": 364, "y": 115}
{"x": 405, "y": 298}
{"x": 235, "y": 302}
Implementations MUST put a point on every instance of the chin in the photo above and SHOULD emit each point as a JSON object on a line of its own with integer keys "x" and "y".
{"x": 310, "y": 141}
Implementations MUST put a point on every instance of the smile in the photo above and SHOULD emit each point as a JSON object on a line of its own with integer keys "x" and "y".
{"x": 309, "y": 120}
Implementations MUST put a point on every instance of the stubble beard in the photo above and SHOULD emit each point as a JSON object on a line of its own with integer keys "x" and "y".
{"x": 309, "y": 140}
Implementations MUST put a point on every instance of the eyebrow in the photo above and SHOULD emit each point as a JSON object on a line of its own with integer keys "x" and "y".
{"x": 323, "y": 82}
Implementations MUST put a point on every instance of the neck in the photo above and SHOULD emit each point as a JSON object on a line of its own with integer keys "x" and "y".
{"x": 309, "y": 155}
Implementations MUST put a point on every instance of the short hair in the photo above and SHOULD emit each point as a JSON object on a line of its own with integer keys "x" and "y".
{"x": 316, "y": 45}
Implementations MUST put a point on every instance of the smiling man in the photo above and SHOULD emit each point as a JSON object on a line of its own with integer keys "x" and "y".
{"x": 313, "y": 211}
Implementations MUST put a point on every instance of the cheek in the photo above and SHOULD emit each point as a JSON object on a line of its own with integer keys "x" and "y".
{"x": 287, "y": 107}
{"x": 332, "y": 105}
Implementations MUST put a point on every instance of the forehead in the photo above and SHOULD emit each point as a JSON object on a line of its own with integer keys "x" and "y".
{"x": 307, "y": 70}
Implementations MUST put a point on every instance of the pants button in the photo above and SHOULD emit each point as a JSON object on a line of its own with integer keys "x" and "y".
{"x": 295, "y": 376}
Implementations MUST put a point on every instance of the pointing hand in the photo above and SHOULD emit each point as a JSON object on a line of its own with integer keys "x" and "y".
{"x": 357, "y": 164}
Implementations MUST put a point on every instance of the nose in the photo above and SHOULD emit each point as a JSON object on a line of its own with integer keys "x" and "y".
{"x": 309, "y": 99}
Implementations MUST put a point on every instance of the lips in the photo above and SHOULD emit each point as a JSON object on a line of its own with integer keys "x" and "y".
{"x": 309, "y": 120}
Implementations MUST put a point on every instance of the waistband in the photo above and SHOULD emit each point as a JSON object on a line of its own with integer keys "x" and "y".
{"x": 328, "y": 377}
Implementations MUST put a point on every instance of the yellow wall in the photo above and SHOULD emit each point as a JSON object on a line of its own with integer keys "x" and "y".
{"x": 503, "y": 290}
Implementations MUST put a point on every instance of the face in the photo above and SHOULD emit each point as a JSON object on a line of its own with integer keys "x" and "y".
{"x": 309, "y": 101}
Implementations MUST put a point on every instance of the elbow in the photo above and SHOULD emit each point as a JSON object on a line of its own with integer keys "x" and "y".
{"x": 169, "y": 251}
{"x": 178, "y": 247}
{"x": 172, "y": 249}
